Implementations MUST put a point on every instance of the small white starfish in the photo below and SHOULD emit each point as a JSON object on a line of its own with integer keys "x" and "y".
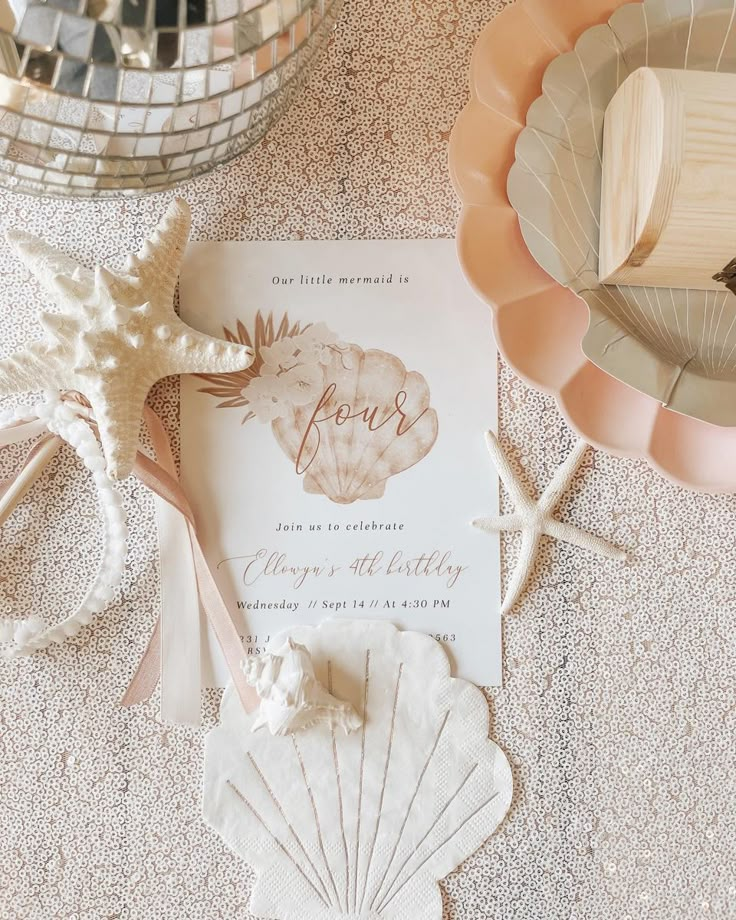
{"x": 534, "y": 518}
{"x": 115, "y": 334}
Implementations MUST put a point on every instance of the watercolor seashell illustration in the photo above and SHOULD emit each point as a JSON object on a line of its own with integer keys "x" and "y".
{"x": 371, "y": 420}
{"x": 360, "y": 826}
{"x": 348, "y": 419}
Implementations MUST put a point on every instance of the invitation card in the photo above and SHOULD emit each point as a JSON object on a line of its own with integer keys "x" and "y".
{"x": 338, "y": 475}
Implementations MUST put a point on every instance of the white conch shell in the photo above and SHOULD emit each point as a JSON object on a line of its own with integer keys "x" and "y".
{"x": 348, "y": 459}
{"x": 116, "y": 334}
{"x": 360, "y": 826}
{"x": 292, "y": 698}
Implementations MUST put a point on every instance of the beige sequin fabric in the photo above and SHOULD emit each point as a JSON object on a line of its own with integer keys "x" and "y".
{"x": 619, "y": 707}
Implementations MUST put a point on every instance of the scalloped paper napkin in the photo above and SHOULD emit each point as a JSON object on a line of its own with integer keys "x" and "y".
{"x": 360, "y": 826}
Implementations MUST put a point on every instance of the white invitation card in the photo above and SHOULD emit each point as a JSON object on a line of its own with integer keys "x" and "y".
{"x": 339, "y": 475}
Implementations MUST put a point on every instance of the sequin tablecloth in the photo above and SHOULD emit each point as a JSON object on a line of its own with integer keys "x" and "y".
{"x": 619, "y": 706}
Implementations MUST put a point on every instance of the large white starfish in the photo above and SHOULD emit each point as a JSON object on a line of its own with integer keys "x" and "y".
{"x": 534, "y": 518}
{"x": 115, "y": 334}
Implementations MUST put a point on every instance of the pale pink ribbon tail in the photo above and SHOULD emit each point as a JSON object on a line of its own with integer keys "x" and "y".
{"x": 5, "y": 484}
{"x": 147, "y": 674}
{"x": 161, "y": 478}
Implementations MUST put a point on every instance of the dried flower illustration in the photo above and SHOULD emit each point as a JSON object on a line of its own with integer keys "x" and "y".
{"x": 230, "y": 387}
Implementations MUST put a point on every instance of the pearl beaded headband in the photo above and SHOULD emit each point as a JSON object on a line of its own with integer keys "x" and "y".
{"x": 65, "y": 420}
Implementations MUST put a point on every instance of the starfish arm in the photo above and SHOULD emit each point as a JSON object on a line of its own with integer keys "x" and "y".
{"x": 119, "y": 422}
{"x": 27, "y": 372}
{"x": 562, "y": 478}
{"x": 522, "y": 570}
{"x": 157, "y": 264}
{"x": 500, "y": 523}
{"x": 196, "y": 353}
{"x": 519, "y": 495}
{"x": 59, "y": 275}
{"x": 577, "y": 537}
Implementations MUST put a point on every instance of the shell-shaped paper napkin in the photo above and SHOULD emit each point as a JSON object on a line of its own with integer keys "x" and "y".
{"x": 676, "y": 345}
{"x": 360, "y": 826}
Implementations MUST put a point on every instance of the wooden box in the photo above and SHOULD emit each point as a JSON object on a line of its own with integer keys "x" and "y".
{"x": 668, "y": 197}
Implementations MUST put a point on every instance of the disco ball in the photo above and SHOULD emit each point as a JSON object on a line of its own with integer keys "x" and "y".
{"x": 109, "y": 97}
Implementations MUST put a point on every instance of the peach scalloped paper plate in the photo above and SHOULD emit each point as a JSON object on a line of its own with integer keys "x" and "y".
{"x": 539, "y": 324}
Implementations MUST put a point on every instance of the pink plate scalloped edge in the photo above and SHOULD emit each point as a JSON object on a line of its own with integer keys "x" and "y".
{"x": 539, "y": 325}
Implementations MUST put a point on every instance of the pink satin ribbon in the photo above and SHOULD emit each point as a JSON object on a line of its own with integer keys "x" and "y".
{"x": 160, "y": 477}
{"x": 5, "y": 484}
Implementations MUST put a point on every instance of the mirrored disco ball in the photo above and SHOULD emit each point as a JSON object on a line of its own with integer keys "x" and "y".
{"x": 110, "y": 97}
